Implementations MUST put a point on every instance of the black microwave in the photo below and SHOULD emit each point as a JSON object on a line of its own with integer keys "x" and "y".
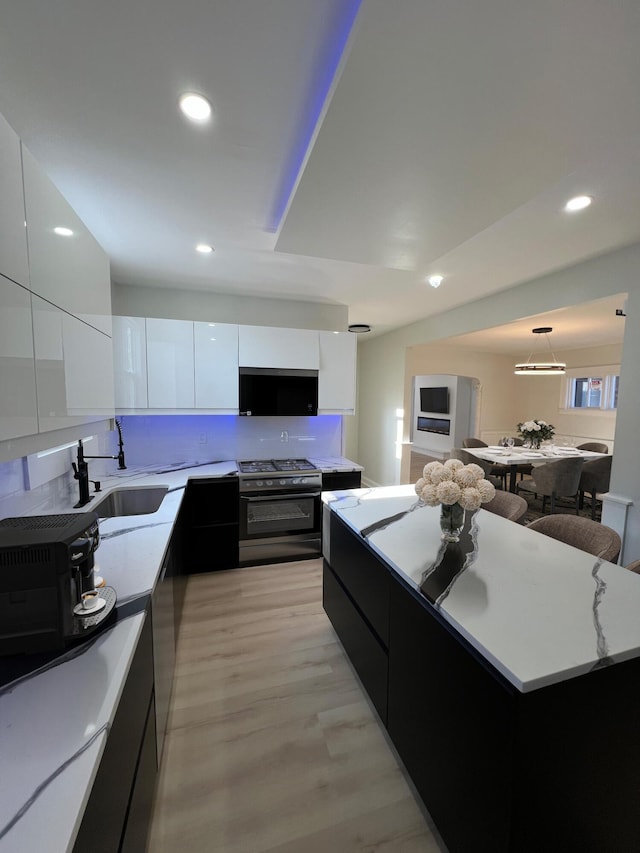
{"x": 276, "y": 391}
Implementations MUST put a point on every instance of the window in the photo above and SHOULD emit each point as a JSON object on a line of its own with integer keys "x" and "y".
{"x": 597, "y": 390}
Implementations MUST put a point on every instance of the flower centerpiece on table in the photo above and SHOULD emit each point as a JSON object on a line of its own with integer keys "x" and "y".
{"x": 456, "y": 487}
{"x": 536, "y": 431}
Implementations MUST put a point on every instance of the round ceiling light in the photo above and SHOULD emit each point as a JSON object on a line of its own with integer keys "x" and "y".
{"x": 359, "y": 328}
{"x": 204, "y": 248}
{"x": 435, "y": 280}
{"x": 541, "y": 367}
{"x": 578, "y": 203}
{"x": 195, "y": 107}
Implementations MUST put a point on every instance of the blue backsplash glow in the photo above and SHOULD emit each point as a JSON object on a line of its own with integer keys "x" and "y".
{"x": 171, "y": 439}
{"x": 29, "y": 484}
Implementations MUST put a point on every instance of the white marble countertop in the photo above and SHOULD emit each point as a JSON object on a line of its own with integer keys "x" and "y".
{"x": 53, "y": 723}
{"x": 540, "y": 611}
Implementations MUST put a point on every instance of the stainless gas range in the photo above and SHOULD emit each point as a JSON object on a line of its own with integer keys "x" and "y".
{"x": 280, "y": 510}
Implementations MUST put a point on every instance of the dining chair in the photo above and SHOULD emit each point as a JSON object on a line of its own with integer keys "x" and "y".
{"x": 594, "y": 446}
{"x": 556, "y": 479}
{"x": 474, "y": 442}
{"x": 508, "y": 505}
{"x": 469, "y": 458}
{"x": 594, "y": 480}
{"x": 582, "y": 533}
{"x": 633, "y": 567}
{"x": 495, "y": 468}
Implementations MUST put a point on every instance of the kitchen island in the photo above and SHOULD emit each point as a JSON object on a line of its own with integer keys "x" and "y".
{"x": 505, "y": 668}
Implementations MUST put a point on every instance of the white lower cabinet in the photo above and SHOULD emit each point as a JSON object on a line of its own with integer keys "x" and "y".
{"x": 74, "y": 369}
{"x": 216, "y": 366}
{"x": 130, "y": 362}
{"x": 337, "y": 375}
{"x": 170, "y": 364}
{"x": 18, "y": 406}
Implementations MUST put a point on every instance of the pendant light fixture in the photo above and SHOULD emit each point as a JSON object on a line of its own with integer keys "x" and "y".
{"x": 540, "y": 367}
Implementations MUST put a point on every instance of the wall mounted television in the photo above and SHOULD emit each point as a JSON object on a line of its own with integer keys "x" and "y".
{"x": 435, "y": 400}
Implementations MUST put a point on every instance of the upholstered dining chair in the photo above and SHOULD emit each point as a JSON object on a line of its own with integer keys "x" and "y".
{"x": 594, "y": 479}
{"x": 594, "y": 446}
{"x": 474, "y": 442}
{"x": 496, "y": 469}
{"x": 508, "y": 505}
{"x": 553, "y": 480}
{"x": 582, "y": 533}
{"x": 634, "y": 567}
{"x": 468, "y": 458}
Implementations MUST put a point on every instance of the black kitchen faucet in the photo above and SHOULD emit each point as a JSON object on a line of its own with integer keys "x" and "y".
{"x": 81, "y": 469}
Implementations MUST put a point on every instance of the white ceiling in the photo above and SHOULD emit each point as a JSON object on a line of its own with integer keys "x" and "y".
{"x": 452, "y": 133}
{"x": 590, "y": 324}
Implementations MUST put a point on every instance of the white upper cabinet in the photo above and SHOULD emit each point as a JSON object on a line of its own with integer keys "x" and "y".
{"x": 13, "y": 238}
{"x": 216, "y": 366}
{"x": 130, "y": 362}
{"x": 170, "y": 364}
{"x": 74, "y": 369}
{"x": 69, "y": 270}
{"x": 267, "y": 346}
{"x": 18, "y": 408}
{"x": 337, "y": 376}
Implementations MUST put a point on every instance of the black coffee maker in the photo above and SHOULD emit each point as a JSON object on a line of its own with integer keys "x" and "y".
{"x": 47, "y": 594}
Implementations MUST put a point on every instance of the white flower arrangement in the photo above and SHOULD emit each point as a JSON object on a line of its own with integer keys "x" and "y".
{"x": 537, "y": 430}
{"x": 454, "y": 482}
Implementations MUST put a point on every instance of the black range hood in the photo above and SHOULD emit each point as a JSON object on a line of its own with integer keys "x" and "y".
{"x": 278, "y": 391}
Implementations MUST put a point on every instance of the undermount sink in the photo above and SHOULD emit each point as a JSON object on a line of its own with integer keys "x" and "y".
{"x": 130, "y": 500}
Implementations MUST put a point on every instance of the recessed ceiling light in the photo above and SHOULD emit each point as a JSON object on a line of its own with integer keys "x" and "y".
{"x": 578, "y": 203}
{"x": 204, "y": 248}
{"x": 62, "y": 231}
{"x": 195, "y": 107}
{"x": 359, "y": 328}
{"x": 435, "y": 280}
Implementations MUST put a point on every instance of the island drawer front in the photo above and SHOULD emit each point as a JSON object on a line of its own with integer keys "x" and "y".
{"x": 363, "y": 648}
{"x": 363, "y": 576}
{"x": 452, "y": 723}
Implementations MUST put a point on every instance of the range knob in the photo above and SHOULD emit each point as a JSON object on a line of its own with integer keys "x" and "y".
{"x": 259, "y": 483}
{"x": 283, "y": 482}
{"x": 269, "y": 482}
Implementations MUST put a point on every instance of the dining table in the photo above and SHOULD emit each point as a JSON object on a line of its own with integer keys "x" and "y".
{"x": 512, "y": 457}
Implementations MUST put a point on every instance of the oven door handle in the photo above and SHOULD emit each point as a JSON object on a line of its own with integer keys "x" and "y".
{"x": 280, "y": 495}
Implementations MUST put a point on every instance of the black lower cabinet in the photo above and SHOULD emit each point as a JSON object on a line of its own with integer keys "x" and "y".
{"x": 365, "y": 650}
{"x": 210, "y": 526}
{"x": 451, "y": 722}
{"x": 141, "y": 803}
{"x": 336, "y": 480}
{"x": 104, "y": 824}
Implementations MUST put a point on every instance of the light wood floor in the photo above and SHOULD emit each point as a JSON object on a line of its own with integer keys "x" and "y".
{"x": 272, "y": 745}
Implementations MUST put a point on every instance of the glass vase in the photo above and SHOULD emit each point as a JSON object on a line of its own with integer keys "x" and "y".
{"x": 451, "y": 522}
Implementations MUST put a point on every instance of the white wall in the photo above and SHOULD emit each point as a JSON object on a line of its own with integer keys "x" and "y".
{"x": 176, "y": 304}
